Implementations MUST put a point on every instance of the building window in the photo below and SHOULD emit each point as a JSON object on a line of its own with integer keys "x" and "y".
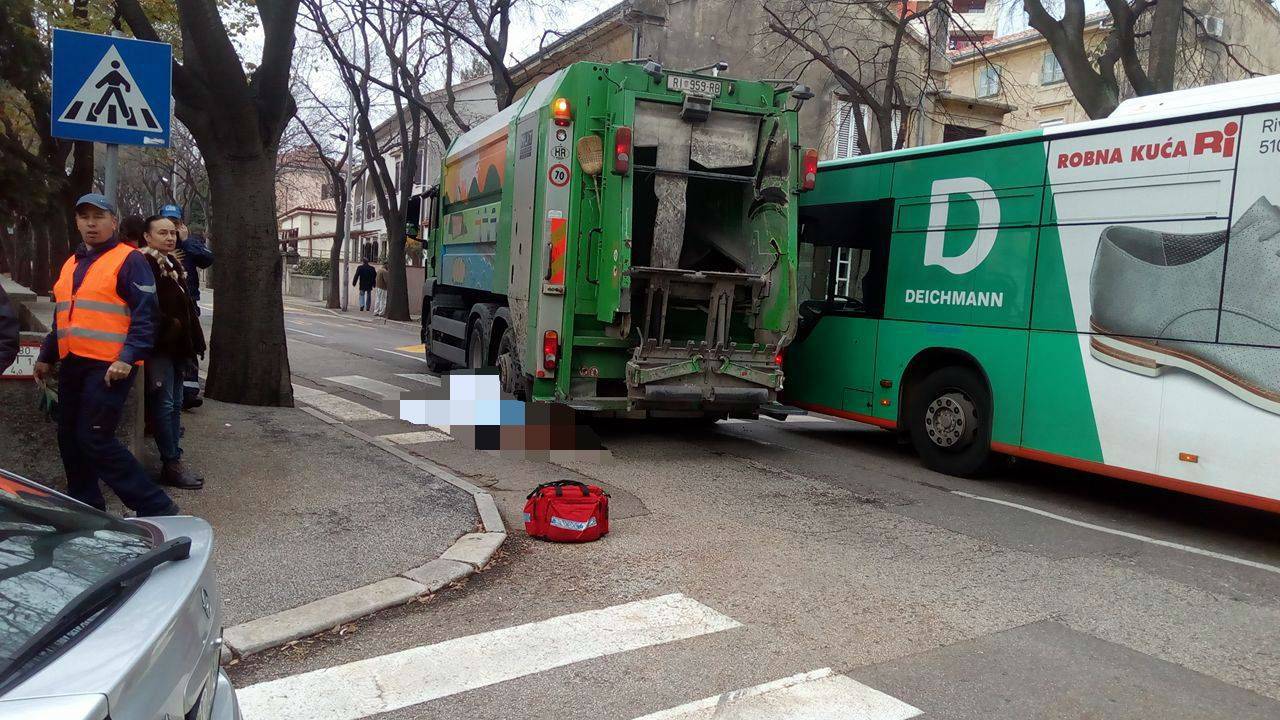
{"x": 326, "y": 191}
{"x": 951, "y": 133}
{"x": 1050, "y": 70}
{"x": 970, "y": 6}
{"x": 988, "y": 81}
{"x": 846, "y": 128}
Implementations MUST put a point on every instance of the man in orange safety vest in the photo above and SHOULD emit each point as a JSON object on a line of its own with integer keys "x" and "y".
{"x": 104, "y": 327}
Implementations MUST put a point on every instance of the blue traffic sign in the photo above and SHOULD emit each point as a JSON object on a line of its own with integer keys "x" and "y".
{"x": 111, "y": 89}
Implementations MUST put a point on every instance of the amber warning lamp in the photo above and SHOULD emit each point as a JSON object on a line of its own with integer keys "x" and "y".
{"x": 560, "y": 111}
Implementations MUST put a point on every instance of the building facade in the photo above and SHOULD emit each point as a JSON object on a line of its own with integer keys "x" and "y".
{"x": 1014, "y": 82}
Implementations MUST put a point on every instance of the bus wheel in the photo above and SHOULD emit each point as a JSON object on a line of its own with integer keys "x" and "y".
{"x": 950, "y": 422}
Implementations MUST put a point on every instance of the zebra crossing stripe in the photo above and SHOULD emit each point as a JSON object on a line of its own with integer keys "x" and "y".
{"x": 386, "y": 391}
{"x": 416, "y": 437}
{"x": 376, "y": 685}
{"x": 340, "y": 408}
{"x": 816, "y": 695}
{"x": 421, "y": 377}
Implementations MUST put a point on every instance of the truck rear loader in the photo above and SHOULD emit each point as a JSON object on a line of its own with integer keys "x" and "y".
{"x": 623, "y": 239}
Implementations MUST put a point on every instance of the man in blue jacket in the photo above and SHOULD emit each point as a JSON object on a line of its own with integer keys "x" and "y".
{"x": 195, "y": 255}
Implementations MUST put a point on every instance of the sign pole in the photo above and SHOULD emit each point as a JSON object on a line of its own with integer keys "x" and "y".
{"x": 111, "y": 164}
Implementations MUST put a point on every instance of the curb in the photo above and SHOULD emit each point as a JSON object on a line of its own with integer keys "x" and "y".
{"x": 466, "y": 556}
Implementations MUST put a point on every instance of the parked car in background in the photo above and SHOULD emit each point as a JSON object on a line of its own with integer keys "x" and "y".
{"x": 102, "y": 617}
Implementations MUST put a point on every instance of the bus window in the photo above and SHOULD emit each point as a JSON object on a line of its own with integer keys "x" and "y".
{"x": 844, "y": 257}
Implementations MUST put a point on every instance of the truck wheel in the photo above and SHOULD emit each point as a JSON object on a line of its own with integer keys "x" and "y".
{"x": 950, "y": 422}
{"x": 476, "y": 344}
{"x": 514, "y": 381}
{"x": 438, "y": 364}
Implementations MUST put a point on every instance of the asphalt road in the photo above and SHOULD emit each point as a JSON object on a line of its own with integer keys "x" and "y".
{"x": 815, "y": 558}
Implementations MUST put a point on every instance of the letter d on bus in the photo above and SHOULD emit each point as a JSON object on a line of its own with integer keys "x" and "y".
{"x": 983, "y": 239}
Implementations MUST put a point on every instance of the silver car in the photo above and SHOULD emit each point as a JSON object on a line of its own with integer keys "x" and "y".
{"x": 106, "y": 618}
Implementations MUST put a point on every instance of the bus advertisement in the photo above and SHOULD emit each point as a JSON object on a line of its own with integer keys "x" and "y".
{"x": 1101, "y": 296}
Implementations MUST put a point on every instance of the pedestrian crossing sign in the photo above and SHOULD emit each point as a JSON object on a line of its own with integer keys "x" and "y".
{"x": 111, "y": 89}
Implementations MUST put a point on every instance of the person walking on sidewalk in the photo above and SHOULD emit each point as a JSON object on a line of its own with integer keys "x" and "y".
{"x": 9, "y": 335}
{"x": 194, "y": 254}
{"x": 179, "y": 340}
{"x": 365, "y": 277}
{"x": 380, "y": 292}
{"x": 103, "y": 326}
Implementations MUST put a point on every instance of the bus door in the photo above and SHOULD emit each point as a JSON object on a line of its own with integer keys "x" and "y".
{"x": 844, "y": 258}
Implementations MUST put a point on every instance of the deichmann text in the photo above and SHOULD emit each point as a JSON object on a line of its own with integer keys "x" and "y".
{"x": 955, "y": 297}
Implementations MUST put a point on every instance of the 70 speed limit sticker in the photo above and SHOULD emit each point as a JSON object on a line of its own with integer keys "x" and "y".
{"x": 558, "y": 174}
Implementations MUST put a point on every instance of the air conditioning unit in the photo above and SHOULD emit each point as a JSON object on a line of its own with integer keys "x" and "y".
{"x": 1212, "y": 26}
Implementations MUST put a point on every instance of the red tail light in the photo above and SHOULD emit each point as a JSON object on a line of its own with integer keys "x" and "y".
{"x": 777, "y": 359}
{"x": 622, "y": 150}
{"x": 550, "y": 349}
{"x": 809, "y": 169}
{"x": 560, "y": 111}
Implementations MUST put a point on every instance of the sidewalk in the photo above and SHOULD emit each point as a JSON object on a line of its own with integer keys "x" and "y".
{"x": 304, "y": 511}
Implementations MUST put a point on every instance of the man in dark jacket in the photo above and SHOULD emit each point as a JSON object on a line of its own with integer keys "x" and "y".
{"x": 366, "y": 277}
{"x": 194, "y": 254}
{"x": 8, "y": 332}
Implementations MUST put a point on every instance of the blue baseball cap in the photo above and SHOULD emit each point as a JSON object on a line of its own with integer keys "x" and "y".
{"x": 171, "y": 211}
{"x": 97, "y": 200}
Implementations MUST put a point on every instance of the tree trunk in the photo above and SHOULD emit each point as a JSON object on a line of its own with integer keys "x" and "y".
{"x": 1162, "y": 51}
{"x": 335, "y": 260}
{"x": 41, "y": 274}
{"x": 22, "y": 253}
{"x": 249, "y": 360}
{"x": 397, "y": 279}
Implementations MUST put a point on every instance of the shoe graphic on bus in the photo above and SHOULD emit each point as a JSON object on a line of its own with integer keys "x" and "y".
{"x": 1155, "y": 299}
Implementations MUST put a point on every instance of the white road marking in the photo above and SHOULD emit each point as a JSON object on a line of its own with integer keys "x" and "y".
{"x": 342, "y": 408}
{"x": 410, "y": 677}
{"x": 1125, "y": 534}
{"x": 803, "y": 418}
{"x": 413, "y": 438}
{"x": 386, "y": 391}
{"x": 302, "y": 391}
{"x": 421, "y": 377}
{"x": 404, "y": 355}
{"x": 817, "y": 695}
{"x": 304, "y": 332}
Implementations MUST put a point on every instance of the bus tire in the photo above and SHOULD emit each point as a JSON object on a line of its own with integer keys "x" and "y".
{"x": 949, "y": 422}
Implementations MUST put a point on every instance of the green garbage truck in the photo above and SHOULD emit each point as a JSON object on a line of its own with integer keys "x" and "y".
{"x": 622, "y": 239}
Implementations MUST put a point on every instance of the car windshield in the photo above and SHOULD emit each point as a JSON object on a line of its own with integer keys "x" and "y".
{"x": 51, "y": 549}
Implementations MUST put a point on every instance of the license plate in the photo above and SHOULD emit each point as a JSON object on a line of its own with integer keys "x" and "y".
{"x": 694, "y": 85}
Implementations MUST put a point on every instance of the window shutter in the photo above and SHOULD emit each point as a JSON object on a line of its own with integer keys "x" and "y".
{"x": 843, "y": 122}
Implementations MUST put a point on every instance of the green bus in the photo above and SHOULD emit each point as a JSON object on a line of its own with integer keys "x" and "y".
{"x": 1101, "y": 296}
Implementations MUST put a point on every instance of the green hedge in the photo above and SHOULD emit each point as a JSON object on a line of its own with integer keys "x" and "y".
{"x": 313, "y": 266}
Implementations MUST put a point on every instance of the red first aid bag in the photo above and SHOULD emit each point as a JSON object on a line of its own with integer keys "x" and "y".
{"x": 567, "y": 511}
